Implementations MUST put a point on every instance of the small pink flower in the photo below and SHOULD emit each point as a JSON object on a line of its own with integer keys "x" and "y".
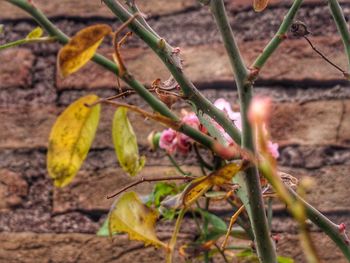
{"x": 191, "y": 119}
{"x": 273, "y": 149}
{"x": 225, "y": 106}
{"x": 183, "y": 143}
{"x": 167, "y": 140}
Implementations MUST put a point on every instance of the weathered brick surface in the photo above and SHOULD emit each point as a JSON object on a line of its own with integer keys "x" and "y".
{"x": 88, "y": 191}
{"x": 78, "y": 8}
{"x": 289, "y": 245}
{"x": 15, "y": 68}
{"x": 313, "y": 123}
{"x": 293, "y": 61}
{"x": 13, "y": 188}
{"x": 30, "y": 247}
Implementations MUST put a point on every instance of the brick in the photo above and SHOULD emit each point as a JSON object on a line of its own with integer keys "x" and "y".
{"x": 310, "y": 123}
{"x": 330, "y": 189}
{"x": 29, "y": 127}
{"x": 88, "y": 191}
{"x": 78, "y": 8}
{"x": 293, "y": 61}
{"x": 289, "y": 245}
{"x": 74, "y": 247}
{"x": 15, "y": 68}
{"x": 13, "y": 188}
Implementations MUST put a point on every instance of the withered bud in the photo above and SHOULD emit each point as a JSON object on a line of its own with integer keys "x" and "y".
{"x": 299, "y": 29}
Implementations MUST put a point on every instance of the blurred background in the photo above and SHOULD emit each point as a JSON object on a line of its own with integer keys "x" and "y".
{"x": 310, "y": 121}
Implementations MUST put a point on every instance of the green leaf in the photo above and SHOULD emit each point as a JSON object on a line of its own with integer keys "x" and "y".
{"x": 281, "y": 259}
{"x": 36, "y": 33}
{"x": 81, "y": 48}
{"x": 129, "y": 215}
{"x": 1, "y": 29}
{"x": 214, "y": 220}
{"x": 71, "y": 138}
{"x": 160, "y": 191}
{"x": 104, "y": 230}
{"x": 125, "y": 143}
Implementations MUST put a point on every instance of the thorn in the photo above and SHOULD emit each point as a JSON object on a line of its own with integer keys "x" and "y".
{"x": 341, "y": 227}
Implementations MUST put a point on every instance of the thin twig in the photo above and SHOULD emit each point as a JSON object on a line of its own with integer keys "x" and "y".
{"x": 324, "y": 57}
{"x": 143, "y": 180}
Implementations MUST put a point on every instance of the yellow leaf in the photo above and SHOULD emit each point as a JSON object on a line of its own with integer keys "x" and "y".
{"x": 260, "y": 5}
{"x": 202, "y": 184}
{"x": 129, "y": 215}
{"x": 125, "y": 143}
{"x": 71, "y": 138}
{"x": 81, "y": 48}
{"x": 36, "y": 33}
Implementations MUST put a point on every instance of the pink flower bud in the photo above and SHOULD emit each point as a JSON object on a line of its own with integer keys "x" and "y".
{"x": 259, "y": 110}
{"x": 168, "y": 140}
{"x": 273, "y": 149}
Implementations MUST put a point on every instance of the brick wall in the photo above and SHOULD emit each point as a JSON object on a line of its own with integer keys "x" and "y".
{"x": 310, "y": 121}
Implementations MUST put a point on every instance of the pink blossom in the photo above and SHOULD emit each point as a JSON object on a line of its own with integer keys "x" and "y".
{"x": 167, "y": 140}
{"x": 273, "y": 149}
{"x": 183, "y": 143}
{"x": 191, "y": 119}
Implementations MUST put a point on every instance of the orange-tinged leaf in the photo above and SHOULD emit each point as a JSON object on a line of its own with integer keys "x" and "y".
{"x": 71, "y": 138}
{"x": 260, "y": 5}
{"x": 201, "y": 185}
{"x": 81, "y": 48}
{"x": 130, "y": 215}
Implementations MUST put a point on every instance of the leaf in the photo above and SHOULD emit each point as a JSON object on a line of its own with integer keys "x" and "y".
{"x": 35, "y": 33}
{"x": 71, "y": 138}
{"x": 260, "y": 5}
{"x": 281, "y": 259}
{"x": 1, "y": 29}
{"x": 202, "y": 184}
{"x": 160, "y": 191}
{"x": 104, "y": 229}
{"x": 214, "y": 220}
{"x": 129, "y": 215}
{"x": 81, "y": 48}
{"x": 125, "y": 143}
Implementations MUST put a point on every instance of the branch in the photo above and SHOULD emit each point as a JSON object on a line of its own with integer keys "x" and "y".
{"x": 342, "y": 26}
{"x": 153, "y": 101}
{"x": 171, "y": 60}
{"x": 279, "y": 36}
{"x": 143, "y": 180}
{"x": 335, "y": 232}
{"x": 250, "y": 191}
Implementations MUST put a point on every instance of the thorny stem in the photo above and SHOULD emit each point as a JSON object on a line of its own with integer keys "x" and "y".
{"x": 172, "y": 61}
{"x": 342, "y": 26}
{"x": 331, "y": 229}
{"x": 26, "y": 41}
{"x": 154, "y": 102}
{"x": 250, "y": 192}
{"x": 143, "y": 180}
{"x": 279, "y": 36}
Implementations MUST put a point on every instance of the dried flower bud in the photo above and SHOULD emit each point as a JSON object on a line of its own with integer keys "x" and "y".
{"x": 299, "y": 29}
{"x": 153, "y": 140}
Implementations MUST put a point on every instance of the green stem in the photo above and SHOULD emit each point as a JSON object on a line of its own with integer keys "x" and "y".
{"x": 205, "y": 228}
{"x": 154, "y": 102}
{"x": 250, "y": 192}
{"x": 25, "y": 41}
{"x": 342, "y": 25}
{"x": 172, "y": 242}
{"x": 177, "y": 166}
{"x": 278, "y": 37}
{"x": 171, "y": 60}
{"x": 331, "y": 229}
